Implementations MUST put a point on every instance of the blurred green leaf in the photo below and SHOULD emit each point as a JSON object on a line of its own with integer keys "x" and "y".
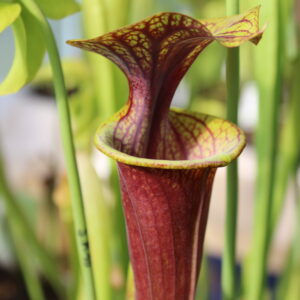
{"x": 82, "y": 100}
{"x": 17, "y": 74}
{"x": 211, "y": 61}
{"x": 29, "y": 53}
{"x": 130, "y": 293}
{"x": 57, "y": 9}
{"x": 35, "y": 48}
{"x": 209, "y": 106}
{"x": 8, "y": 14}
{"x": 288, "y": 287}
{"x": 95, "y": 23}
{"x": 97, "y": 213}
{"x": 268, "y": 74}
{"x": 202, "y": 292}
{"x": 140, "y": 9}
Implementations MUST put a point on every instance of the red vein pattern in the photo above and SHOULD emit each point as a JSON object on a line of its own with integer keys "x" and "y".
{"x": 155, "y": 54}
{"x": 167, "y": 159}
{"x": 166, "y": 213}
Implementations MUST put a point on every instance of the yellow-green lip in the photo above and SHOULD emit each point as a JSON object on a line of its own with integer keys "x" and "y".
{"x": 221, "y": 159}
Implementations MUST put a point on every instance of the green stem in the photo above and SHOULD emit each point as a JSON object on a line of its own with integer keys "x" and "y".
{"x": 29, "y": 271}
{"x": 109, "y": 94}
{"x": 119, "y": 221}
{"x": 99, "y": 225}
{"x": 68, "y": 147}
{"x": 268, "y": 74}
{"x": 18, "y": 221}
{"x": 289, "y": 282}
{"x": 20, "y": 229}
{"x": 96, "y": 23}
{"x": 233, "y": 82}
{"x": 289, "y": 144}
{"x": 296, "y": 242}
{"x": 202, "y": 291}
{"x": 130, "y": 288}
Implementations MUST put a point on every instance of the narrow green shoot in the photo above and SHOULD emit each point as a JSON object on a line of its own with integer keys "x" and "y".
{"x": 268, "y": 67}
{"x": 22, "y": 227}
{"x": 289, "y": 145}
{"x": 99, "y": 225}
{"x": 96, "y": 23}
{"x": 19, "y": 229}
{"x": 233, "y": 91}
{"x": 130, "y": 290}
{"x": 68, "y": 147}
{"x": 110, "y": 96}
{"x": 202, "y": 292}
{"x": 288, "y": 160}
{"x": 289, "y": 283}
{"x": 29, "y": 271}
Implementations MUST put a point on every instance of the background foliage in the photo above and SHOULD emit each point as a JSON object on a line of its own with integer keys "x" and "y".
{"x": 96, "y": 89}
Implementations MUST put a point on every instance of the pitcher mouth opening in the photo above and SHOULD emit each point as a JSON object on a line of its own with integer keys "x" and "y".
{"x": 227, "y": 138}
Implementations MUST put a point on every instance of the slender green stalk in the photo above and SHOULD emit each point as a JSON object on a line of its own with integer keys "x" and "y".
{"x": 289, "y": 145}
{"x": 68, "y": 147}
{"x": 202, "y": 292}
{"x": 20, "y": 229}
{"x": 74, "y": 287}
{"x": 130, "y": 289}
{"x": 233, "y": 91}
{"x": 29, "y": 271}
{"x": 268, "y": 66}
{"x": 289, "y": 156}
{"x": 99, "y": 225}
{"x": 18, "y": 220}
{"x": 110, "y": 94}
{"x": 95, "y": 22}
{"x": 119, "y": 224}
{"x": 289, "y": 282}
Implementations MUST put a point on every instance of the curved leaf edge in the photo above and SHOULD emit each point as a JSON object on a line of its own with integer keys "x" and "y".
{"x": 10, "y": 12}
{"x": 28, "y": 54}
{"x": 220, "y": 29}
{"x": 17, "y": 75}
{"x": 105, "y": 131}
{"x": 59, "y": 9}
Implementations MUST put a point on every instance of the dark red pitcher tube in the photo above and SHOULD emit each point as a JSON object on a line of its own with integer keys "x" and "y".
{"x": 166, "y": 213}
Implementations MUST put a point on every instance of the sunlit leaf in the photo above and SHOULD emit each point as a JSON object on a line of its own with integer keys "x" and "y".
{"x": 17, "y": 75}
{"x": 57, "y": 9}
{"x": 8, "y": 14}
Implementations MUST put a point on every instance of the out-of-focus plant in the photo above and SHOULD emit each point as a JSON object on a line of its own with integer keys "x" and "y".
{"x": 33, "y": 37}
{"x": 275, "y": 163}
{"x": 29, "y": 46}
{"x": 288, "y": 162}
{"x": 277, "y": 76}
{"x": 270, "y": 93}
{"x": 229, "y": 290}
{"x": 26, "y": 244}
